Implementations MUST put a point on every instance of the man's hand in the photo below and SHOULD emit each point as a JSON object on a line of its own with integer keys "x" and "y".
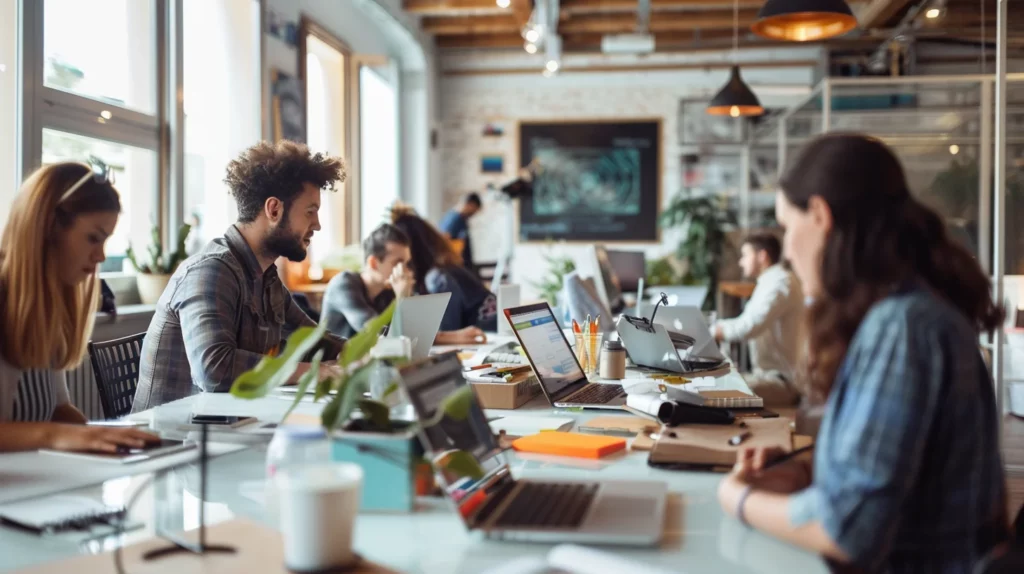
{"x": 719, "y": 336}
{"x": 402, "y": 280}
{"x": 465, "y": 336}
{"x": 81, "y": 438}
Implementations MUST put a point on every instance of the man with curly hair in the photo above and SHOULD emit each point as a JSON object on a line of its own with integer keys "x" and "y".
{"x": 225, "y": 307}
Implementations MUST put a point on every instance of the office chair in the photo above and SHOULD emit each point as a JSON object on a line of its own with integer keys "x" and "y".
{"x": 115, "y": 365}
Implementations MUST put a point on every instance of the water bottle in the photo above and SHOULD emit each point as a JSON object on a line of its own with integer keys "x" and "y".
{"x": 385, "y": 376}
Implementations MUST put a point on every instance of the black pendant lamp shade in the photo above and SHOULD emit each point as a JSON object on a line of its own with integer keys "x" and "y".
{"x": 735, "y": 99}
{"x": 804, "y": 20}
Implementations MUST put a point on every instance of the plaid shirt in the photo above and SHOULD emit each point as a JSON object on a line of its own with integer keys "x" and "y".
{"x": 907, "y": 471}
{"x": 217, "y": 318}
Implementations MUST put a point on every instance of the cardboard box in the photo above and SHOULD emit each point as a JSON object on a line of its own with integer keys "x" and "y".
{"x": 511, "y": 395}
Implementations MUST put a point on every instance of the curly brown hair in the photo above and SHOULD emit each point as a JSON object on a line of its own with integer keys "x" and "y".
{"x": 278, "y": 170}
{"x": 882, "y": 240}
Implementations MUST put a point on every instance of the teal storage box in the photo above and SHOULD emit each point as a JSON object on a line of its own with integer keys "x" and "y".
{"x": 388, "y": 461}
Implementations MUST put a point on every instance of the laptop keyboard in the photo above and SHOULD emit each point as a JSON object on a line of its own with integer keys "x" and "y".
{"x": 553, "y": 505}
{"x": 594, "y": 394}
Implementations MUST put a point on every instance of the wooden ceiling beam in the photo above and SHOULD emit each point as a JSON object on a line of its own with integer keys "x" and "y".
{"x": 461, "y": 25}
{"x": 649, "y": 67}
{"x": 521, "y": 11}
{"x": 661, "y": 22}
{"x": 597, "y": 6}
{"x": 685, "y": 41}
{"x": 442, "y": 7}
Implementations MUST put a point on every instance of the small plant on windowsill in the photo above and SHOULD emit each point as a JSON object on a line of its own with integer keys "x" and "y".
{"x": 361, "y": 429}
{"x": 156, "y": 269}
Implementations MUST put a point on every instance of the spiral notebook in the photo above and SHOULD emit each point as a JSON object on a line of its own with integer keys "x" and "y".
{"x": 716, "y": 399}
{"x": 58, "y": 513}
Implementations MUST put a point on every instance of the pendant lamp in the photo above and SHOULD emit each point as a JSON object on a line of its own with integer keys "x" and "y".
{"x": 735, "y": 99}
{"x": 804, "y": 20}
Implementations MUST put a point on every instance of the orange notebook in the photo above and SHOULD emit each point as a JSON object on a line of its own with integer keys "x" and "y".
{"x": 569, "y": 444}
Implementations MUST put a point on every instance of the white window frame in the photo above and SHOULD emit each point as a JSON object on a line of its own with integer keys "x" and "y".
{"x": 42, "y": 107}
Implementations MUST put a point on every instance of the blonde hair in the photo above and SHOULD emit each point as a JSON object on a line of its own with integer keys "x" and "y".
{"x": 45, "y": 324}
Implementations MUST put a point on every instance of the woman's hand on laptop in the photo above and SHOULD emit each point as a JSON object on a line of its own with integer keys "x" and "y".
{"x": 80, "y": 438}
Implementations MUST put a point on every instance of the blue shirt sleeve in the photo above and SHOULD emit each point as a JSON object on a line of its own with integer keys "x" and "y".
{"x": 454, "y": 225}
{"x": 880, "y": 412}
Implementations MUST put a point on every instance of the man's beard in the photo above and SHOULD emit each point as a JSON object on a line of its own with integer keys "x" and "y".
{"x": 282, "y": 243}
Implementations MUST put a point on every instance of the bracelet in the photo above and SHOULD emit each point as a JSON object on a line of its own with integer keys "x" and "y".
{"x": 739, "y": 505}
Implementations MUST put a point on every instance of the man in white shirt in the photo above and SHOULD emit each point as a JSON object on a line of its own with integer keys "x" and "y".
{"x": 770, "y": 322}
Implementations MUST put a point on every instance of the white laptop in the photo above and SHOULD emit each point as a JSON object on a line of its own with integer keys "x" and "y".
{"x": 689, "y": 320}
{"x": 419, "y": 318}
{"x": 528, "y": 510}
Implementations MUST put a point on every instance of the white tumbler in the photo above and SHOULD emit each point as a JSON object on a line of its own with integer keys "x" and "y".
{"x": 318, "y": 508}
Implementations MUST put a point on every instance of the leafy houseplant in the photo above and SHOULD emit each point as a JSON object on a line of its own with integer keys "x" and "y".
{"x": 360, "y": 428}
{"x": 155, "y": 271}
{"x": 551, "y": 285}
{"x": 705, "y": 221}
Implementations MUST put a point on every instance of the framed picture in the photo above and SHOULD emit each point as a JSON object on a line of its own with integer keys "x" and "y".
{"x": 597, "y": 180}
{"x": 492, "y": 163}
{"x": 493, "y": 130}
{"x": 287, "y": 107}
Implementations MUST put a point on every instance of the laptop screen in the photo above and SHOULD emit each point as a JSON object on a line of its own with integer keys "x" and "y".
{"x": 552, "y": 358}
{"x": 458, "y": 439}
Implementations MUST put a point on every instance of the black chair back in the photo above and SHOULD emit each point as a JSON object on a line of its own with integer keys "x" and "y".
{"x": 115, "y": 365}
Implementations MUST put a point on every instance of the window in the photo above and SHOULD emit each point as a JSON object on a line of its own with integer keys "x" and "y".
{"x": 378, "y": 152}
{"x": 8, "y": 106}
{"x": 326, "y": 66}
{"x": 222, "y": 106}
{"x": 97, "y": 95}
{"x": 117, "y": 66}
{"x": 135, "y": 174}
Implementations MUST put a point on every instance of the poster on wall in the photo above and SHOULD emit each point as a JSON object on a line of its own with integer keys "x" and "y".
{"x": 287, "y": 109}
{"x": 597, "y": 181}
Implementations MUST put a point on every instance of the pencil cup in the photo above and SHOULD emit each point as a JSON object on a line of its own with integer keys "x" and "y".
{"x": 588, "y": 349}
{"x": 319, "y": 504}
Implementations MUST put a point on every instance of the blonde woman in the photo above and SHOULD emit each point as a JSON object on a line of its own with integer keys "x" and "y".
{"x": 49, "y": 257}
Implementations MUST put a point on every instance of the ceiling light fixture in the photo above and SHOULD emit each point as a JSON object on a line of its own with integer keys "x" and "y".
{"x": 530, "y": 48}
{"x": 954, "y": 149}
{"x": 804, "y": 20}
{"x": 551, "y": 66}
{"x": 933, "y": 13}
{"x": 532, "y": 35}
{"x": 736, "y": 98}
{"x": 504, "y": 3}
{"x": 105, "y": 114}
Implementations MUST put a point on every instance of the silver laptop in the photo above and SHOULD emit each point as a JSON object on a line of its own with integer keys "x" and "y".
{"x": 652, "y": 347}
{"x": 419, "y": 318}
{"x": 560, "y": 375}
{"x": 690, "y": 321}
{"x": 489, "y": 500}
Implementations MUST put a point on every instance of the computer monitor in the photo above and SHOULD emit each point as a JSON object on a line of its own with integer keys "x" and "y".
{"x": 629, "y": 266}
{"x": 605, "y": 279}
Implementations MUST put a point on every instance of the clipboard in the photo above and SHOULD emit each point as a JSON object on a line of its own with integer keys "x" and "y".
{"x": 707, "y": 447}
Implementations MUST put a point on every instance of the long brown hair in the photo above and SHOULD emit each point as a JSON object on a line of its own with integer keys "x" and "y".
{"x": 429, "y": 248}
{"x": 882, "y": 239}
{"x": 45, "y": 324}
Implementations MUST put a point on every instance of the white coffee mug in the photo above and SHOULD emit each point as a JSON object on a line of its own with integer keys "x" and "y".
{"x": 318, "y": 505}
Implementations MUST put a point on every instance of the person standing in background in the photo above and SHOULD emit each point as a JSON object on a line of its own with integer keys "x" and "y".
{"x": 455, "y": 224}
{"x": 770, "y": 322}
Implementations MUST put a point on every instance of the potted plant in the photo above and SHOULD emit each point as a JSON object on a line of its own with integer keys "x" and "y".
{"x": 704, "y": 221}
{"x": 155, "y": 271}
{"x": 551, "y": 285}
{"x": 361, "y": 429}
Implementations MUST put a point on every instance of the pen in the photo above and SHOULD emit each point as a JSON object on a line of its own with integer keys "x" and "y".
{"x": 788, "y": 456}
{"x": 738, "y": 439}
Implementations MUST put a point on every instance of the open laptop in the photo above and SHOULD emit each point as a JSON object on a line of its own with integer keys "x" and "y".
{"x": 502, "y": 507}
{"x": 651, "y": 346}
{"x": 560, "y": 375}
{"x": 690, "y": 321}
{"x": 419, "y": 318}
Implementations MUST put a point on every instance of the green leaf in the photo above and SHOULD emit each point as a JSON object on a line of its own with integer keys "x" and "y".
{"x": 390, "y": 389}
{"x": 340, "y": 409}
{"x": 376, "y": 412}
{"x": 359, "y": 345}
{"x": 458, "y": 404}
{"x": 462, "y": 464}
{"x": 304, "y": 382}
{"x": 272, "y": 372}
{"x": 323, "y": 388}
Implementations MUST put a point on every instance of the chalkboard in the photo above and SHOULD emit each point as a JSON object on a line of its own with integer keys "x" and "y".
{"x": 598, "y": 181}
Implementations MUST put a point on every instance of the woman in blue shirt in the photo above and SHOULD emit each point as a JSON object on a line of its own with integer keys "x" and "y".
{"x": 906, "y": 475}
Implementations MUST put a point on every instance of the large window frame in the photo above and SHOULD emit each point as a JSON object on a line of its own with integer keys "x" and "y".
{"x": 162, "y": 132}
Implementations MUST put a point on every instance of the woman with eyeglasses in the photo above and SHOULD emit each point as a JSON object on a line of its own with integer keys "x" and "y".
{"x": 50, "y": 253}
{"x": 906, "y": 474}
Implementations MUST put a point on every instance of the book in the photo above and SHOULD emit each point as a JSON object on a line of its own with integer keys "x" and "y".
{"x": 58, "y": 513}
{"x": 527, "y": 425}
{"x": 715, "y": 399}
{"x": 569, "y": 444}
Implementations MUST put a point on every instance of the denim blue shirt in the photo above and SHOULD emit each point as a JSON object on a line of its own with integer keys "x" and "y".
{"x": 907, "y": 471}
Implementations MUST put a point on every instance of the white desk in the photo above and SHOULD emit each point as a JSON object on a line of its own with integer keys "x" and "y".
{"x": 698, "y": 537}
